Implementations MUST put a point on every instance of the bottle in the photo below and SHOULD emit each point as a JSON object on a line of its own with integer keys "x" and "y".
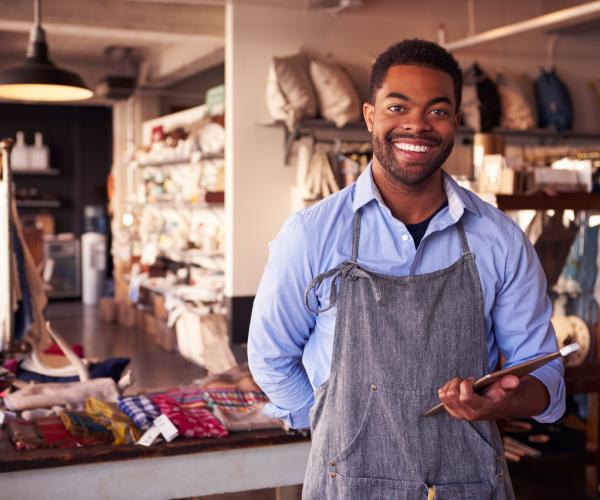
{"x": 38, "y": 154}
{"x": 19, "y": 156}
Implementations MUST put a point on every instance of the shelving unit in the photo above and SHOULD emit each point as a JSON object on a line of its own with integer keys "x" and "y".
{"x": 36, "y": 171}
{"x": 317, "y": 128}
{"x": 561, "y": 201}
{"x": 39, "y": 204}
{"x": 584, "y": 379}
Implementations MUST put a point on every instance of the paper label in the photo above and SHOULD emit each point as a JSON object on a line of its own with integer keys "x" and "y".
{"x": 2, "y": 417}
{"x": 166, "y": 427}
{"x": 149, "y": 436}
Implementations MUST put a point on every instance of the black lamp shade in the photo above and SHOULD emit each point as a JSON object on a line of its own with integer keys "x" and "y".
{"x": 39, "y": 79}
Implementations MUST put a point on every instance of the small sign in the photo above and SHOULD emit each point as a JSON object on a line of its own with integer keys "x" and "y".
{"x": 149, "y": 436}
{"x": 166, "y": 427}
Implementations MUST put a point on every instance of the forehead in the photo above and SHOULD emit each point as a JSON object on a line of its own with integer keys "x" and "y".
{"x": 417, "y": 82}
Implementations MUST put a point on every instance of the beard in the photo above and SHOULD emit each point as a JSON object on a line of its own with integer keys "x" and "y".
{"x": 406, "y": 172}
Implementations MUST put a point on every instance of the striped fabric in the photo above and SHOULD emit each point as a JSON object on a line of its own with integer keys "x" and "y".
{"x": 192, "y": 418}
{"x": 140, "y": 409}
{"x": 234, "y": 399}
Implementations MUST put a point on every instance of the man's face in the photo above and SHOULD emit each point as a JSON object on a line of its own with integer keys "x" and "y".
{"x": 412, "y": 121}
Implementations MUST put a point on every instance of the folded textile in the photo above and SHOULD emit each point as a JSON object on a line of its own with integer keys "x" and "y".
{"x": 240, "y": 411}
{"x": 192, "y": 419}
{"x": 109, "y": 368}
{"x": 250, "y": 419}
{"x": 85, "y": 430}
{"x": 47, "y": 395}
{"x": 238, "y": 377}
{"x": 55, "y": 349}
{"x": 140, "y": 410}
{"x": 108, "y": 415}
{"x": 234, "y": 398}
{"x": 43, "y": 432}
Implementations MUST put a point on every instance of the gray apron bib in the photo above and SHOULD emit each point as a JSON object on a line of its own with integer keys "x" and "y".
{"x": 396, "y": 341}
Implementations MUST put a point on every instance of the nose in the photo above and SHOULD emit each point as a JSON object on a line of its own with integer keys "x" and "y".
{"x": 416, "y": 122}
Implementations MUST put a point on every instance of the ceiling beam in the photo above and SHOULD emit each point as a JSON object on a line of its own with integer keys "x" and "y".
{"x": 561, "y": 17}
{"x": 121, "y": 34}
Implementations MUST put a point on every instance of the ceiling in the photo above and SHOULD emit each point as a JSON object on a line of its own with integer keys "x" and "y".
{"x": 172, "y": 41}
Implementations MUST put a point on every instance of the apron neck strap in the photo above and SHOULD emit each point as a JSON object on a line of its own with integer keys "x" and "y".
{"x": 356, "y": 234}
{"x": 463, "y": 238}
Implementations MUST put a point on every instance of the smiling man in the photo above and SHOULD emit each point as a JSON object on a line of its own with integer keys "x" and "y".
{"x": 394, "y": 294}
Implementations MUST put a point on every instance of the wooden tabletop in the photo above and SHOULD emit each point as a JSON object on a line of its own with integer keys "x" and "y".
{"x": 12, "y": 459}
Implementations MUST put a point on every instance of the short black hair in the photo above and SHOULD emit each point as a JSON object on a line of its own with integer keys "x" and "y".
{"x": 415, "y": 52}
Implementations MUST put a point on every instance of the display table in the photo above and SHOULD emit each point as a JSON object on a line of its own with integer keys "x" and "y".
{"x": 183, "y": 468}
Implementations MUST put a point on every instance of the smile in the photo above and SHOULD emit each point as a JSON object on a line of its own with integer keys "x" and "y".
{"x": 404, "y": 146}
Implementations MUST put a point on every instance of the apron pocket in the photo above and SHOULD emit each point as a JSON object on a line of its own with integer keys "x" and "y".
{"x": 355, "y": 438}
{"x": 395, "y": 442}
{"x": 353, "y": 488}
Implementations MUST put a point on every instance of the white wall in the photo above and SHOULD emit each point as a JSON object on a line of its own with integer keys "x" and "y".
{"x": 258, "y": 185}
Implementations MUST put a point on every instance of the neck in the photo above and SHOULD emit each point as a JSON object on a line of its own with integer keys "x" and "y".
{"x": 409, "y": 204}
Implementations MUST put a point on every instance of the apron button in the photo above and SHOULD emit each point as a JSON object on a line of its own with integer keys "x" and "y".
{"x": 332, "y": 475}
{"x": 373, "y": 387}
{"x": 332, "y": 463}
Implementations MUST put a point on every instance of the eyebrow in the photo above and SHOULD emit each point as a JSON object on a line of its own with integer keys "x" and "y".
{"x": 404, "y": 97}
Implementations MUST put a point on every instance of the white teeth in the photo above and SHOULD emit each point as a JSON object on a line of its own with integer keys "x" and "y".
{"x": 404, "y": 146}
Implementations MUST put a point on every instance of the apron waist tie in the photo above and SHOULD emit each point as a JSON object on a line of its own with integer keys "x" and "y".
{"x": 349, "y": 268}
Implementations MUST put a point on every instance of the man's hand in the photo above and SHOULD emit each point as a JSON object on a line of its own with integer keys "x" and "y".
{"x": 461, "y": 401}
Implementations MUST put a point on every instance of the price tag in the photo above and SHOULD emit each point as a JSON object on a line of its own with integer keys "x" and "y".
{"x": 166, "y": 427}
{"x": 149, "y": 436}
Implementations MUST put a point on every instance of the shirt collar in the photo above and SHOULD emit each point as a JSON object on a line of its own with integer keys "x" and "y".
{"x": 458, "y": 200}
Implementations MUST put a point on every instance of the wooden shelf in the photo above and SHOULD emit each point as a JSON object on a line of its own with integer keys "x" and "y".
{"x": 562, "y": 201}
{"x": 38, "y": 204}
{"x": 36, "y": 171}
{"x": 177, "y": 162}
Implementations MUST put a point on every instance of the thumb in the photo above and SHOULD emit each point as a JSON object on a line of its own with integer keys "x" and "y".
{"x": 509, "y": 382}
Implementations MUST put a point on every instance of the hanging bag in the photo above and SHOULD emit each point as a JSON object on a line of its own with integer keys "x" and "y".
{"x": 555, "y": 108}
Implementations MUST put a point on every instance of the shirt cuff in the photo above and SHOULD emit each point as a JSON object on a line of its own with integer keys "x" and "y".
{"x": 298, "y": 419}
{"x": 553, "y": 378}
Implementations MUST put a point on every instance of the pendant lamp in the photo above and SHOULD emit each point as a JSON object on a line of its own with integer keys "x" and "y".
{"x": 38, "y": 78}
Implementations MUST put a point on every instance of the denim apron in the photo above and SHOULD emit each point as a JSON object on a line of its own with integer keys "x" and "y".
{"x": 397, "y": 340}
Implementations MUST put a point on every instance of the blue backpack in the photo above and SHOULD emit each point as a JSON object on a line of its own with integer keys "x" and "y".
{"x": 555, "y": 108}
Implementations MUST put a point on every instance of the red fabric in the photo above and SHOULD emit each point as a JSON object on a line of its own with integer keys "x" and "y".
{"x": 54, "y": 349}
{"x": 11, "y": 365}
{"x": 54, "y": 433}
{"x": 191, "y": 419}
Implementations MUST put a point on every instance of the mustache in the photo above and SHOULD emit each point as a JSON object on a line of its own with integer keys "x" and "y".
{"x": 393, "y": 136}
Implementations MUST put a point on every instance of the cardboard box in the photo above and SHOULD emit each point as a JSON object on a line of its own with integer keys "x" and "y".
{"x": 158, "y": 303}
{"x": 109, "y": 310}
{"x": 127, "y": 314}
{"x": 166, "y": 337}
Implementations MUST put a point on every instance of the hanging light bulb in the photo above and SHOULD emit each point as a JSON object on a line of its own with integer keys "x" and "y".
{"x": 38, "y": 78}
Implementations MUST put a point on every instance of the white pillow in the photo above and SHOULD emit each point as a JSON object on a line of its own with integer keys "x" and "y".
{"x": 338, "y": 99}
{"x": 290, "y": 93}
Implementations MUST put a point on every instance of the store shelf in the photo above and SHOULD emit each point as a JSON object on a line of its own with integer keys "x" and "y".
{"x": 562, "y": 201}
{"x": 38, "y": 204}
{"x": 35, "y": 171}
{"x": 178, "y": 162}
{"x": 536, "y": 134}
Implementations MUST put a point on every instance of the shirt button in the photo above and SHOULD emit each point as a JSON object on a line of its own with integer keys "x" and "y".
{"x": 405, "y": 237}
{"x": 332, "y": 463}
{"x": 333, "y": 474}
{"x": 373, "y": 387}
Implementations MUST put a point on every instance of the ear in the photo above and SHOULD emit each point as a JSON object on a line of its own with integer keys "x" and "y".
{"x": 458, "y": 117}
{"x": 368, "y": 114}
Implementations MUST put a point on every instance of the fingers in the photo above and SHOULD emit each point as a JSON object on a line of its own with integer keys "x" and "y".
{"x": 502, "y": 388}
{"x": 459, "y": 398}
{"x": 461, "y": 401}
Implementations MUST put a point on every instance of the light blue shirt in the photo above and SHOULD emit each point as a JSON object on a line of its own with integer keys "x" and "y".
{"x": 289, "y": 348}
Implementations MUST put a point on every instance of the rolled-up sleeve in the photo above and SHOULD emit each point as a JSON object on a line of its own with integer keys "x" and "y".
{"x": 521, "y": 321}
{"x": 281, "y": 325}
